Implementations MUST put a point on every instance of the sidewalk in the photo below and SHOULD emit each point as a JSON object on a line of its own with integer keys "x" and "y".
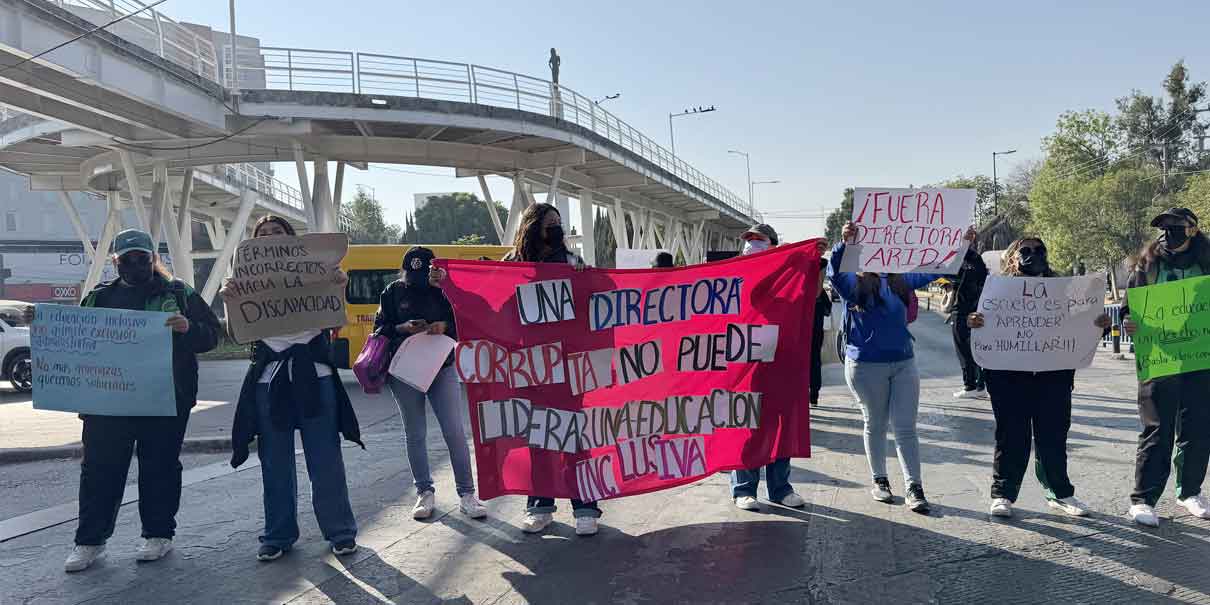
{"x": 27, "y": 434}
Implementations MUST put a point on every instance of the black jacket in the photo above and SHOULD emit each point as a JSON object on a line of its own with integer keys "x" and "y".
{"x": 246, "y": 424}
{"x": 400, "y": 304}
{"x": 174, "y": 296}
{"x": 970, "y": 280}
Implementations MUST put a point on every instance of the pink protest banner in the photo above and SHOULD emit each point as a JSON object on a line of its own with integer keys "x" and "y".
{"x": 599, "y": 384}
{"x": 910, "y": 230}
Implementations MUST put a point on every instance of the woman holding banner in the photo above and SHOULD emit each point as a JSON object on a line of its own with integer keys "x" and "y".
{"x": 143, "y": 284}
{"x": 411, "y": 305}
{"x": 1171, "y": 407}
{"x": 1025, "y": 403}
{"x": 880, "y": 366}
{"x": 292, "y": 385}
{"x": 540, "y": 240}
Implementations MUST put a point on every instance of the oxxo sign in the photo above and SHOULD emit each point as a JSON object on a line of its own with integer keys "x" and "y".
{"x": 65, "y": 292}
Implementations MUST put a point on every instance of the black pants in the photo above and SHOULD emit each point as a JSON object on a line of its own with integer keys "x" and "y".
{"x": 109, "y": 442}
{"x": 1172, "y": 408}
{"x": 816, "y": 364}
{"x": 1038, "y": 406}
{"x": 972, "y": 374}
{"x": 538, "y": 504}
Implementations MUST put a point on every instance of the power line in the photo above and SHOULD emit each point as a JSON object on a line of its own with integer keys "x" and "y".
{"x": 1089, "y": 166}
{"x": 81, "y": 36}
{"x": 199, "y": 145}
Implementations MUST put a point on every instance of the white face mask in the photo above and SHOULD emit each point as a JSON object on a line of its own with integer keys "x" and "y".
{"x": 753, "y": 246}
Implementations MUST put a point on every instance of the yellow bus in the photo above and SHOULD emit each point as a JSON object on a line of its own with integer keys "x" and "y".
{"x": 371, "y": 268}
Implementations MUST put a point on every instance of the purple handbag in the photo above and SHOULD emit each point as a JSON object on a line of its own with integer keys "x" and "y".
{"x": 372, "y": 364}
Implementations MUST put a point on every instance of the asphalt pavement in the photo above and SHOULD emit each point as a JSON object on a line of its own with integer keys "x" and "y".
{"x": 688, "y": 544}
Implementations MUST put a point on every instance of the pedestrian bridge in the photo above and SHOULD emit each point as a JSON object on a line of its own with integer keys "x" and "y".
{"x": 146, "y": 110}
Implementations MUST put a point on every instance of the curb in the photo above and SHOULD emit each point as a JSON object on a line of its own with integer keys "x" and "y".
{"x": 197, "y": 445}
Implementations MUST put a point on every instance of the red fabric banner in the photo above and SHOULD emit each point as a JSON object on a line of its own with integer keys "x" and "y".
{"x": 598, "y": 384}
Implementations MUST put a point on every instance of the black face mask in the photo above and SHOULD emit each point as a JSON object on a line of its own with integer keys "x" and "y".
{"x": 554, "y": 236}
{"x": 135, "y": 269}
{"x": 1033, "y": 264}
{"x": 1173, "y": 238}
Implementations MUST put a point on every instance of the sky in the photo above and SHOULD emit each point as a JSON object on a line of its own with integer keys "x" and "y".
{"x": 822, "y": 95}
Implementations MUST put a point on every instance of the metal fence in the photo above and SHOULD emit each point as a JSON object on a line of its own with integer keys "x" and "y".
{"x": 251, "y": 177}
{"x": 151, "y": 30}
{"x": 367, "y": 73}
{"x": 1114, "y": 312}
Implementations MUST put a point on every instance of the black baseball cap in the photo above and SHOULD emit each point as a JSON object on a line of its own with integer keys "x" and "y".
{"x": 1177, "y": 213}
{"x": 765, "y": 230}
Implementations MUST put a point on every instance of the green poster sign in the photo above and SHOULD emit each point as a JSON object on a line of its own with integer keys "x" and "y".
{"x": 1173, "y": 334}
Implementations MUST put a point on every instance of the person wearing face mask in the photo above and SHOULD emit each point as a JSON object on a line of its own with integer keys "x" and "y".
{"x": 1171, "y": 408}
{"x": 964, "y": 300}
{"x": 1031, "y": 405}
{"x": 540, "y": 240}
{"x": 292, "y": 385}
{"x": 143, "y": 284}
{"x": 414, "y": 304}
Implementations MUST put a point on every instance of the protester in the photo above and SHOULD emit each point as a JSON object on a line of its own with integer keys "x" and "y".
{"x": 880, "y": 367}
{"x": 964, "y": 300}
{"x": 823, "y": 308}
{"x": 1030, "y": 405}
{"x": 1171, "y": 407}
{"x": 663, "y": 260}
{"x": 411, "y": 305}
{"x": 745, "y": 482}
{"x": 540, "y": 240}
{"x": 109, "y": 441}
{"x": 293, "y": 385}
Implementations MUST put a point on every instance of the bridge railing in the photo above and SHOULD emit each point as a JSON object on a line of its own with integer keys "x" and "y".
{"x": 251, "y": 177}
{"x": 151, "y": 30}
{"x": 368, "y": 73}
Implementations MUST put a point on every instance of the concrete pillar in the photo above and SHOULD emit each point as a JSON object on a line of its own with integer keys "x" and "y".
{"x": 588, "y": 240}
{"x": 239, "y": 227}
{"x": 135, "y": 190}
{"x": 100, "y": 256}
{"x": 491, "y": 209}
{"x": 304, "y": 187}
{"x": 74, "y": 216}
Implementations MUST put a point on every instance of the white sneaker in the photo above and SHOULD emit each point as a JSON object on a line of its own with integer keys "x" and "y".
{"x": 1143, "y": 514}
{"x": 83, "y": 556}
{"x": 882, "y": 490}
{"x": 586, "y": 526}
{"x": 1069, "y": 505}
{"x": 793, "y": 500}
{"x": 536, "y": 522}
{"x": 424, "y": 506}
{"x": 472, "y": 507}
{"x": 747, "y": 503}
{"x": 1196, "y": 505}
{"x": 1002, "y": 507}
{"x": 153, "y": 549}
{"x": 965, "y": 394}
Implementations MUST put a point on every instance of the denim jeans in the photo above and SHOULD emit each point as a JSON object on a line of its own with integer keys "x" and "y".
{"x": 448, "y": 403}
{"x": 888, "y": 393}
{"x": 777, "y": 474}
{"x": 579, "y": 508}
{"x": 325, "y": 468}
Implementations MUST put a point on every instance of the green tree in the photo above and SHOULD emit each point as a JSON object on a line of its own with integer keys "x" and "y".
{"x": 366, "y": 222}
{"x": 1196, "y": 196}
{"x": 446, "y": 218}
{"x": 1162, "y": 131}
{"x": 473, "y": 239}
{"x": 838, "y": 217}
{"x": 1084, "y": 143}
{"x": 606, "y": 245}
{"x": 982, "y": 184}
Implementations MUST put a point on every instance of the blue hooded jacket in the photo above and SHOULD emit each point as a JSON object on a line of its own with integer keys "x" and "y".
{"x": 878, "y": 333}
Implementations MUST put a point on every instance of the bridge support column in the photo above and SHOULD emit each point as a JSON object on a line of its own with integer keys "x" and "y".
{"x": 491, "y": 210}
{"x": 101, "y": 253}
{"x": 222, "y": 264}
{"x": 321, "y": 198}
{"x": 74, "y": 216}
{"x": 159, "y": 199}
{"x": 338, "y": 189}
{"x": 135, "y": 190}
{"x": 588, "y": 240}
{"x": 617, "y": 222}
{"x": 184, "y": 227}
{"x": 304, "y": 187}
{"x": 521, "y": 201}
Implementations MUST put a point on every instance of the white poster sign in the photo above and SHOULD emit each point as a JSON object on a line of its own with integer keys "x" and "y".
{"x": 420, "y": 358}
{"x": 633, "y": 258}
{"x": 1037, "y": 324}
{"x": 909, "y": 230}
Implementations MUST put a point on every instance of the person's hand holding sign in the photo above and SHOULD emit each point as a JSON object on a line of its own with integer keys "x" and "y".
{"x": 437, "y": 327}
{"x": 849, "y": 233}
{"x": 179, "y": 323}
{"x": 436, "y": 275}
{"x": 339, "y": 277}
{"x": 414, "y": 326}
{"x": 974, "y": 321}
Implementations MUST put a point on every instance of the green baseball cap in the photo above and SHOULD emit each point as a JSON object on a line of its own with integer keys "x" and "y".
{"x": 131, "y": 240}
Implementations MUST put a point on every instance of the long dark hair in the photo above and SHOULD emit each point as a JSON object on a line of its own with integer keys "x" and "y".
{"x": 1008, "y": 261}
{"x": 528, "y": 244}
{"x": 869, "y": 290}
{"x": 273, "y": 218}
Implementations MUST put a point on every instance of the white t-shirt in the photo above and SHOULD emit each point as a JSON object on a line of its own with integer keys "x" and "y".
{"x": 281, "y": 343}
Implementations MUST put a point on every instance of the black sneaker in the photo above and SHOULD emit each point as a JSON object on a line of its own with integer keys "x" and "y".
{"x": 882, "y": 490}
{"x": 269, "y": 553}
{"x": 347, "y": 547}
{"x": 915, "y": 499}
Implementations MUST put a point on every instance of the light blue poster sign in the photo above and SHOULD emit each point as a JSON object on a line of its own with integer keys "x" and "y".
{"x": 109, "y": 362}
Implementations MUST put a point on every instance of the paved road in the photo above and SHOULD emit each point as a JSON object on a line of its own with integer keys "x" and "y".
{"x": 687, "y": 544}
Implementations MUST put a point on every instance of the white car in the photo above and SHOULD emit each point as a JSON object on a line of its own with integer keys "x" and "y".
{"x": 15, "y": 365}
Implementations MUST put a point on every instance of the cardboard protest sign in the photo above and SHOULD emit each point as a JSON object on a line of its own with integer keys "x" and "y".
{"x": 283, "y": 284}
{"x": 658, "y": 378}
{"x": 109, "y": 362}
{"x": 420, "y": 358}
{"x": 1038, "y": 324}
{"x": 910, "y": 230}
{"x": 1173, "y": 334}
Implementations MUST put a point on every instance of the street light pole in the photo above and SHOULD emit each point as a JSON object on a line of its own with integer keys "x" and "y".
{"x": 748, "y": 161}
{"x": 687, "y": 112}
{"x": 761, "y": 183}
{"x": 995, "y": 182}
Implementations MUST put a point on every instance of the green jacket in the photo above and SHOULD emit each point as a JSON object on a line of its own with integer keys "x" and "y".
{"x": 174, "y": 296}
